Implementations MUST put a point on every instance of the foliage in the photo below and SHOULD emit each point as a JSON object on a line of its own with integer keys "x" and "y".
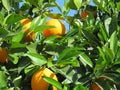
{"x": 89, "y": 49}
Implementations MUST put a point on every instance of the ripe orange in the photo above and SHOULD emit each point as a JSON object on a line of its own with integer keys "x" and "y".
{"x": 102, "y": 78}
{"x": 85, "y": 13}
{"x": 3, "y": 55}
{"x": 25, "y": 21}
{"x": 30, "y": 35}
{"x": 59, "y": 28}
{"x": 38, "y": 83}
{"x": 95, "y": 87}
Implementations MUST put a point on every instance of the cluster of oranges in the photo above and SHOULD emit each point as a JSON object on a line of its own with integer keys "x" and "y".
{"x": 58, "y": 29}
{"x": 37, "y": 82}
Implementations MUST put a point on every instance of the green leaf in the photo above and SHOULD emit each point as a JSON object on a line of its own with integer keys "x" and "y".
{"x": 3, "y": 32}
{"x": 30, "y": 70}
{"x": 40, "y": 3}
{"x": 102, "y": 54}
{"x": 104, "y": 33}
{"x": 17, "y": 45}
{"x": 72, "y": 5}
{"x": 112, "y": 77}
{"x": 32, "y": 2}
{"x": 1, "y": 18}
{"x": 3, "y": 80}
{"x": 109, "y": 53}
{"x": 51, "y": 39}
{"x": 32, "y": 47}
{"x": 100, "y": 4}
{"x": 66, "y": 8}
{"x": 53, "y": 82}
{"x": 90, "y": 36}
{"x": 68, "y": 53}
{"x": 37, "y": 59}
{"x": 12, "y": 18}
{"x": 118, "y": 6}
{"x": 80, "y": 87}
{"x": 107, "y": 25}
{"x": 41, "y": 28}
{"x": 58, "y": 6}
{"x": 85, "y": 59}
{"x": 23, "y": 63}
{"x": 100, "y": 64}
{"x": 73, "y": 61}
{"x": 66, "y": 87}
{"x": 38, "y": 21}
{"x": 71, "y": 74}
{"x": 17, "y": 81}
{"x": 55, "y": 15}
{"x": 114, "y": 43}
{"x": 78, "y": 3}
{"x": 17, "y": 37}
{"x": 114, "y": 23}
{"x": 49, "y": 1}
{"x": 14, "y": 58}
{"x": 6, "y": 4}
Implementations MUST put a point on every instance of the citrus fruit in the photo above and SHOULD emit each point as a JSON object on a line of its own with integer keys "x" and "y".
{"x": 95, "y": 87}
{"x": 3, "y": 55}
{"x": 102, "y": 78}
{"x": 58, "y": 29}
{"x": 85, "y": 13}
{"x": 25, "y": 21}
{"x": 30, "y": 35}
{"x": 38, "y": 83}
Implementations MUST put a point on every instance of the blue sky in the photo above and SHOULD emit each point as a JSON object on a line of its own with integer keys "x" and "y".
{"x": 71, "y": 13}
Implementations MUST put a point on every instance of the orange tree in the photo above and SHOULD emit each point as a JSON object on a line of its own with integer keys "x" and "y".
{"x": 85, "y": 57}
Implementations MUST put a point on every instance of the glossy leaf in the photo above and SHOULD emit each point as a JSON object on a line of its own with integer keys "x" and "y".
{"x": 53, "y": 82}
{"x": 3, "y": 80}
{"x": 37, "y": 59}
{"x": 6, "y": 4}
{"x": 114, "y": 43}
{"x": 17, "y": 81}
{"x": 85, "y": 59}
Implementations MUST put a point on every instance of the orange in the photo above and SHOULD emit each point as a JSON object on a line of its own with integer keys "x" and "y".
{"x": 102, "y": 78}
{"x": 95, "y": 87}
{"x": 38, "y": 83}
{"x": 58, "y": 29}
{"x": 25, "y": 21}
{"x": 85, "y": 13}
{"x": 30, "y": 35}
{"x": 3, "y": 55}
